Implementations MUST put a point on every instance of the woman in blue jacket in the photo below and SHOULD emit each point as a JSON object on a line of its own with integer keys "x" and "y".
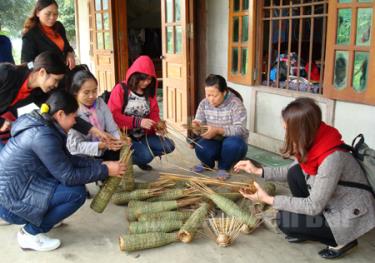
{"x": 41, "y": 183}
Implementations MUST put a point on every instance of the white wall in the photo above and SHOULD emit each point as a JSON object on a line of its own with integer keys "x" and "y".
{"x": 349, "y": 118}
{"x": 84, "y": 33}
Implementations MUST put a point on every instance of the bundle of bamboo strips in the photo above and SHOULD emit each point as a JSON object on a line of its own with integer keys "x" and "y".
{"x": 226, "y": 205}
{"x": 136, "y": 208}
{"x": 101, "y": 199}
{"x": 167, "y": 215}
{"x": 154, "y": 226}
{"x": 122, "y": 198}
{"x": 144, "y": 241}
{"x": 191, "y": 226}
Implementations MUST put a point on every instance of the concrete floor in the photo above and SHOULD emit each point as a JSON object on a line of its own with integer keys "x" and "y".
{"x": 91, "y": 237}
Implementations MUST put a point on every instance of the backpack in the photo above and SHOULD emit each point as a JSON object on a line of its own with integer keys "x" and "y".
{"x": 365, "y": 156}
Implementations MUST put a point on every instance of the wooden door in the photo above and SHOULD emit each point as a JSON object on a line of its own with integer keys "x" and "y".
{"x": 175, "y": 55}
{"x": 101, "y": 35}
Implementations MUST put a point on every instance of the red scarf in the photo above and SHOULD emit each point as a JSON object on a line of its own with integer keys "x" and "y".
{"x": 326, "y": 141}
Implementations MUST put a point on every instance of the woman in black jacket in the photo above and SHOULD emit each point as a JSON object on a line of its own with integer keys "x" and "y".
{"x": 26, "y": 84}
{"x": 42, "y": 32}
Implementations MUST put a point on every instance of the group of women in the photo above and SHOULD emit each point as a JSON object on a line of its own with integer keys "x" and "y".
{"x": 74, "y": 139}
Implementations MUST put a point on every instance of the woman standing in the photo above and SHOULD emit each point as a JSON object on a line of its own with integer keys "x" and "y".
{"x": 223, "y": 114}
{"x": 134, "y": 107}
{"x": 322, "y": 208}
{"x": 42, "y": 32}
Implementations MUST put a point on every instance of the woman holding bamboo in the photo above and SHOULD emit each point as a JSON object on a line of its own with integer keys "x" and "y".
{"x": 41, "y": 183}
{"x": 95, "y": 111}
{"x": 321, "y": 208}
{"x": 134, "y": 107}
{"x": 221, "y": 122}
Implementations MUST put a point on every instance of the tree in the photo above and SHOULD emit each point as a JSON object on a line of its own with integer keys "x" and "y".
{"x": 13, "y": 14}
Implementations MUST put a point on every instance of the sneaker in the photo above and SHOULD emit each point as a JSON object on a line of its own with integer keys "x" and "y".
{"x": 145, "y": 167}
{"x": 39, "y": 242}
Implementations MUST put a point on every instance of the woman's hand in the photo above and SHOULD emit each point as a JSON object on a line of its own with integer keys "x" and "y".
{"x": 6, "y": 126}
{"x": 147, "y": 124}
{"x": 212, "y": 132}
{"x": 70, "y": 60}
{"x": 259, "y": 196}
{"x": 102, "y": 135}
{"x": 115, "y": 145}
{"x": 248, "y": 167}
{"x": 116, "y": 169}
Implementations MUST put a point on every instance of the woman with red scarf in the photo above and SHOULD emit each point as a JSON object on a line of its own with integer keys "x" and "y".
{"x": 321, "y": 208}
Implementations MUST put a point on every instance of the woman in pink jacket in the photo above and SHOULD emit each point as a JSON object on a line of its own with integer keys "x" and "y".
{"x": 134, "y": 107}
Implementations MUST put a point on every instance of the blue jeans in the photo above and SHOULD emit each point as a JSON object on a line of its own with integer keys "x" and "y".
{"x": 157, "y": 144}
{"x": 227, "y": 151}
{"x": 64, "y": 202}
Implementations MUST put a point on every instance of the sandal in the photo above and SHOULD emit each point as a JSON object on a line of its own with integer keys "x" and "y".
{"x": 222, "y": 175}
{"x": 199, "y": 168}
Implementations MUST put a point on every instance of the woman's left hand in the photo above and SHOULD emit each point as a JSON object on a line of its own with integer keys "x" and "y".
{"x": 211, "y": 132}
{"x": 102, "y": 135}
{"x": 70, "y": 60}
{"x": 259, "y": 196}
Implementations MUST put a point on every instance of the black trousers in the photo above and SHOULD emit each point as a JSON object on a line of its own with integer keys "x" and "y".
{"x": 302, "y": 226}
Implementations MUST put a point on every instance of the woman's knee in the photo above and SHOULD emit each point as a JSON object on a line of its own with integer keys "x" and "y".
{"x": 78, "y": 194}
{"x": 234, "y": 144}
{"x": 168, "y": 146}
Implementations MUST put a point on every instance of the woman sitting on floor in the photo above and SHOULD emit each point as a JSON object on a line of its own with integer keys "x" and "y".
{"x": 40, "y": 182}
{"x": 93, "y": 110}
{"x": 134, "y": 107}
{"x": 223, "y": 114}
{"x": 321, "y": 208}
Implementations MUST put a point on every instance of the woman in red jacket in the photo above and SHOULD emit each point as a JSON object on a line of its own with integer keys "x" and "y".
{"x": 134, "y": 107}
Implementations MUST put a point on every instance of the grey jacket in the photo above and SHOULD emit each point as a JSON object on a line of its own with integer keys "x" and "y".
{"x": 350, "y": 212}
{"x": 78, "y": 143}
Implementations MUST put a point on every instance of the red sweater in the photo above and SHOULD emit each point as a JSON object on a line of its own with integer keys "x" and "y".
{"x": 143, "y": 64}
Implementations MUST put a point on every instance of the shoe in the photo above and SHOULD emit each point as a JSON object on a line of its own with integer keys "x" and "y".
{"x": 331, "y": 253}
{"x": 3, "y": 222}
{"x": 39, "y": 242}
{"x": 199, "y": 168}
{"x": 291, "y": 239}
{"x": 222, "y": 175}
{"x": 59, "y": 224}
{"x": 145, "y": 167}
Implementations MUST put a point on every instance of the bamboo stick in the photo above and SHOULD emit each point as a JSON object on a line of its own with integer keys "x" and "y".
{"x": 191, "y": 226}
{"x": 167, "y": 215}
{"x": 136, "y": 208}
{"x": 144, "y": 241}
{"x": 122, "y": 198}
{"x": 154, "y": 226}
{"x": 101, "y": 199}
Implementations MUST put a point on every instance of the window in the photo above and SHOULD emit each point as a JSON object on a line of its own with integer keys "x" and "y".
{"x": 350, "y": 51}
{"x": 241, "y": 41}
{"x": 292, "y": 44}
